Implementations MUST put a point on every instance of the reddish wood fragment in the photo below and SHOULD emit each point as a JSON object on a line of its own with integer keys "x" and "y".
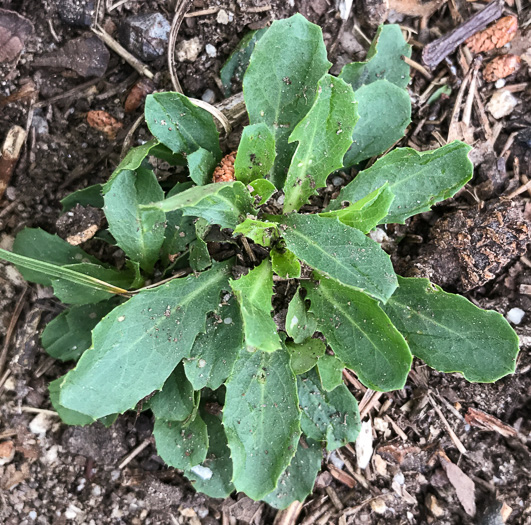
{"x": 224, "y": 172}
{"x": 102, "y": 121}
{"x": 495, "y": 36}
{"x": 137, "y": 94}
{"x": 501, "y": 67}
{"x": 480, "y": 419}
{"x": 342, "y": 477}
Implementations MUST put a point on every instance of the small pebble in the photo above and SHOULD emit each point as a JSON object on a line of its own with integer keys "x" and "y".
{"x": 188, "y": 49}
{"x": 96, "y": 490}
{"x": 378, "y": 505}
{"x": 209, "y": 96}
{"x": 336, "y": 460}
{"x": 337, "y": 180}
{"x": 211, "y": 50}
{"x": 501, "y": 104}
{"x": 146, "y": 35}
{"x": 500, "y": 83}
{"x": 223, "y": 17}
{"x": 32, "y": 515}
{"x": 40, "y": 424}
{"x": 40, "y": 125}
{"x": 515, "y": 315}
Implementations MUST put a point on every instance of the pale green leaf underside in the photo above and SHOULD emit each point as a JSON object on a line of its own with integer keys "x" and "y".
{"x": 417, "y": 179}
{"x": 300, "y": 324}
{"x": 451, "y": 334}
{"x": 330, "y": 370}
{"x": 223, "y": 203}
{"x": 341, "y": 252}
{"x": 324, "y": 135}
{"x": 137, "y": 346}
{"x": 280, "y": 83}
{"x": 254, "y": 292}
{"x": 261, "y": 420}
{"x": 285, "y": 263}
{"x": 360, "y": 334}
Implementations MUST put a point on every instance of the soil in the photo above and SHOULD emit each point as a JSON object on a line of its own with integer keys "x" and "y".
{"x": 60, "y": 474}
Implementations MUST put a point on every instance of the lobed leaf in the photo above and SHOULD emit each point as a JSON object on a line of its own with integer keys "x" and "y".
{"x": 451, "y": 334}
{"x": 417, "y": 179}
{"x": 324, "y": 136}
{"x": 262, "y": 188}
{"x": 304, "y": 356}
{"x": 261, "y": 420}
{"x": 260, "y": 232}
{"x": 199, "y": 254}
{"x": 285, "y": 263}
{"x": 360, "y": 334}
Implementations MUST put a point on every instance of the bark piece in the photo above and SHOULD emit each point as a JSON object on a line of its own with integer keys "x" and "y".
{"x": 464, "y": 487}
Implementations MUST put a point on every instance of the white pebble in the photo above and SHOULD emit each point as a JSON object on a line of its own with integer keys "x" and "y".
{"x": 211, "y": 51}
{"x": 515, "y": 315}
{"x": 96, "y": 490}
{"x": 500, "y": 83}
{"x": 188, "y": 49}
{"x": 223, "y": 17}
{"x": 32, "y": 515}
{"x": 502, "y": 104}
{"x": 336, "y": 460}
{"x": 40, "y": 424}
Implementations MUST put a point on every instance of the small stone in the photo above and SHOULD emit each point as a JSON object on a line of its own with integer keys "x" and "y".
{"x": 380, "y": 424}
{"x": 32, "y": 515}
{"x": 223, "y": 17}
{"x": 146, "y": 36}
{"x": 211, "y": 51}
{"x": 76, "y": 12}
{"x": 502, "y": 104}
{"x": 336, "y": 460}
{"x": 378, "y": 505}
{"x": 515, "y": 315}
{"x": 380, "y": 465}
{"x": 40, "y": 124}
{"x": 500, "y": 83}
{"x": 433, "y": 506}
{"x": 337, "y": 180}
{"x": 96, "y": 490}
{"x": 188, "y": 49}
{"x": 209, "y": 96}
{"x": 7, "y": 452}
{"x": 40, "y": 424}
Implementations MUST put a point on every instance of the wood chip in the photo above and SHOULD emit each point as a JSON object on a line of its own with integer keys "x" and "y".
{"x": 342, "y": 477}
{"x": 464, "y": 487}
{"x": 480, "y": 419}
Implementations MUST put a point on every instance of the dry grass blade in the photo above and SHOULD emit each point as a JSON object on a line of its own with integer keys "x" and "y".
{"x": 180, "y": 11}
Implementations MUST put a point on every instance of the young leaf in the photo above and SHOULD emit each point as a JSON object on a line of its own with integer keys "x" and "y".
{"x": 331, "y": 417}
{"x": 175, "y": 402}
{"x": 366, "y": 213}
{"x": 360, "y": 334}
{"x": 300, "y": 324}
{"x": 261, "y": 420}
{"x": 341, "y": 252}
{"x": 138, "y": 232}
{"x": 262, "y": 188}
{"x": 69, "y": 417}
{"x": 201, "y": 164}
{"x": 181, "y": 444}
{"x": 199, "y": 255}
{"x": 90, "y": 196}
{"x": 417, "y": 179}
{"x": 384, "y": 60}
{"x": 69, "y": 334}
{"x": 451, "y": 334}
{"x": 137, "y": 346}
{"x": 297, "y": 480}
{"x": 330, "y": 370}
{"x": 213, "y": 476}
{"x": 254, "y": 292}
{"x": 289, "y": 59}
{"x": 324, "y": 136}
{"x": 214, "y": 353}
{"x": 285, "y": 263}
{"x": 385, "y": 113}
{"x": 237, "y": 63}
{"x": 223, "y": 203}
{"x": 42, "y": 246}
{"x": 181, "y": 125}
{"x": 304, "y": 356}
{"x": 260, "y": 232}
{"x": 256, "y": 153}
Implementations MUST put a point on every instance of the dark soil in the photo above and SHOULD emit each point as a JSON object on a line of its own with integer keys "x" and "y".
{"x": 62, "y": 475}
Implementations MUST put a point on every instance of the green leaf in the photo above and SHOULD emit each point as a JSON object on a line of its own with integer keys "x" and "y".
{"x": 341, "y": 252}
{"x": 214, "y": 353}
{"x": 237, "y": 63}
{"x": 285, "y": 263}
{"x": 330, "y": 370}
{"x": 451, "y": 334}
{"x": 181, "y": 444}
{"x": 137, "y": 346}
{"x": 138, "y": 232}
{"x": 254, "y": 292}
{"x": 417, "y": 179}
{"x": 213, "y": 476}
{"x": 366, "y": 213}
{"x": 223, "y": 203}
{"x": 384, "y": 60}
{"x": 300, "y": 324}
{"x": 324, "y": 136}
{"x": 201, "y": 164}
{"x": 199, "y": 255}
{"x": 42, "y": 246}
{"x": 69, "y": 417}
{"x": 360, "y": 334}
{"x": 256, "y": 153}
{"x": 90, "y": 196}
{"x": 262, "y": 188}
{"x": 304, "y": 356}
{"x": 298, "y": 479}
{"x": 289, "y": 59}
{"x": 69, "y": 334}
{"x": 385, "y": 113}
{"x": 443, "y": 90}
{"x": 260, "y": 232}
{"x": 261, "y": 420}
{"x": 181, "y": 125}
{"x": 175, "y": 402}
{"x": 331, "y": 417}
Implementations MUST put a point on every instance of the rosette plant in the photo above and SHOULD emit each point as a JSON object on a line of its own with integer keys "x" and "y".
{"x": 241, "y": 399}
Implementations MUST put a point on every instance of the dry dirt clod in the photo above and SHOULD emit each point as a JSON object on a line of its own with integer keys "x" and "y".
{"x": 501, "y": 67}
{"x": 502, "y": 104}
{"x": 495, "y": 36}
{"x": 146, "y": 36}
{"x": 102, "y": 121}
{"x": 224, "y": 172}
